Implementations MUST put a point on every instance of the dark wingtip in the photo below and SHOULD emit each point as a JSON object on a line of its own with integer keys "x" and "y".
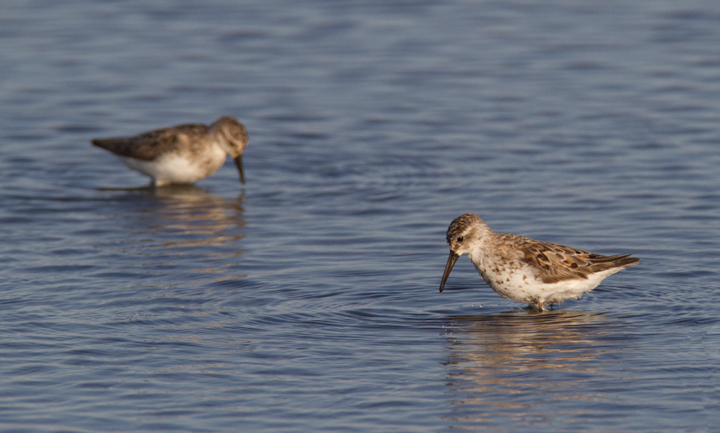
{"x": 629, "y": 261}
{"x": 101, "y": 143}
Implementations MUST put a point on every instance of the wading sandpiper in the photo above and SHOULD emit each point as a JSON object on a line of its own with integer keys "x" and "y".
{"x": 181, "y": 154}
{"x": 526, "y": 270}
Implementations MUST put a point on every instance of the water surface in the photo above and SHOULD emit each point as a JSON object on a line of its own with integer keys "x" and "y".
{"x": 307, "y": 299}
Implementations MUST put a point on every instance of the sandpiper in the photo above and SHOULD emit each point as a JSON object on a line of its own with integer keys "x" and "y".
{"x": 182, "y": 153}
{"x": 526, "y": 270}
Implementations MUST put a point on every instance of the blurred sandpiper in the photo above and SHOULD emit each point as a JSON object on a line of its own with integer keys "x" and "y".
{"x": 181, "y": 154}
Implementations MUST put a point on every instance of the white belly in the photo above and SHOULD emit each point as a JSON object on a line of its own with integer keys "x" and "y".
{"x": 173, "y": 168}
{"x": 519, "y": 284}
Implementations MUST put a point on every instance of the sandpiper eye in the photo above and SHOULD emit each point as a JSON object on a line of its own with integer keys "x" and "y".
{"x": 460, "y": 239}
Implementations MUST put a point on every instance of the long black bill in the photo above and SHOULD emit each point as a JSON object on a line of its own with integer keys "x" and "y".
{"x": 451, "y": 262}
{"x": 238, "y": 162}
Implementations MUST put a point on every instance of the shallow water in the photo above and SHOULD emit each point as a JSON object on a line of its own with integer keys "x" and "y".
{"x": 307, "y": 300}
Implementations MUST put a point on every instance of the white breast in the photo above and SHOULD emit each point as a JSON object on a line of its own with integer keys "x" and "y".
{"x": 517, "y": 281}
{"x": 175, "y": 168}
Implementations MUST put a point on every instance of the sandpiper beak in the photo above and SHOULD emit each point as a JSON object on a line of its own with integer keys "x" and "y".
{"x": 238, "y": 162}
{"x": 450, "y": 263}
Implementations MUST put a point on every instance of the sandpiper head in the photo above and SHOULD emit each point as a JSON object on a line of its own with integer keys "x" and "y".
{"x": 462, "y": 235}
{"x": 234, "y": 136}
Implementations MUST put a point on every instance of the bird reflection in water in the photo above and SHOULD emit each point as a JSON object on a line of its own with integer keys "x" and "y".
{"x": 185, "y": 220}
{"x": 525, "y": 369}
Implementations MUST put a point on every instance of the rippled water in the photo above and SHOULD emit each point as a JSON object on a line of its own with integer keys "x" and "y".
{"x": 307, "y": 300}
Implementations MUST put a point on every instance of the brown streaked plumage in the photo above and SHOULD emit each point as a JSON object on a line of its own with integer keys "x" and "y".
{"x": 182, "y": 153}
{"x": 526, "y": 270}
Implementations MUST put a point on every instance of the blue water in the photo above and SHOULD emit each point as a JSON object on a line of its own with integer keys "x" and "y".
{"x": 307, "y": 300}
